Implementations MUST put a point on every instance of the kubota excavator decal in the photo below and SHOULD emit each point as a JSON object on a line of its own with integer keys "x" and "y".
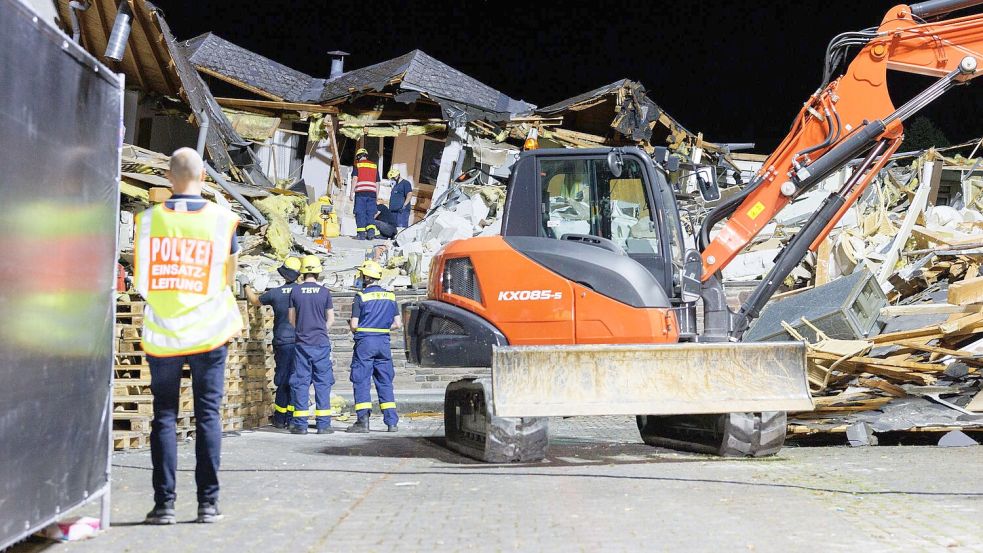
{"x": 529, "y": 295}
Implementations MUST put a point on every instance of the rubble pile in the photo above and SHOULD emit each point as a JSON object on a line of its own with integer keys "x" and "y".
{"x": 466, "y": 211}
{"x": 891, "y": 307}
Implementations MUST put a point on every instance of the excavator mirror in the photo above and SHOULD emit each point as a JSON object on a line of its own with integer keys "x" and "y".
{"x": 689, "y": 281}
{"x": 616, "y": 163}
{"x": 706, "y": 181}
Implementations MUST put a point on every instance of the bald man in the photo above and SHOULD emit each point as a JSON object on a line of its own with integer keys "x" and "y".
{"x": 186, "y": 257}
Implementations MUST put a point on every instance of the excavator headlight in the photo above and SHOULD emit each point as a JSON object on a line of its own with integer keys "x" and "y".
{"x": 459, "y": 279}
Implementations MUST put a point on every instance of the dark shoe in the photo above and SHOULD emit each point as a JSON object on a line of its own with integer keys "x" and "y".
{"x": 294, "y": 429}
{"x": 161, "y": 514}
{"x": 391, "y": 428}
{"x": 279, "y": 423}
{"x": 370, "y": 235}
{"x": 208, "y": 512}
{"x": 361, "y": 426}
{"x": 325, "y": 430}
{"x": 360, "y": 236}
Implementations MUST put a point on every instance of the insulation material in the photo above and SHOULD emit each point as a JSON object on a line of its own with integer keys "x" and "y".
{"x": 278, "y": 209}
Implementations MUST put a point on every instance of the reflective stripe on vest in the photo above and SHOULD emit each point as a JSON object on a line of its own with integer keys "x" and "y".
{"x": 370, "y": 296}
{"x": 365, "y": 177}
{"x": 375, "y": 312}
{"x": 180, "y": 260}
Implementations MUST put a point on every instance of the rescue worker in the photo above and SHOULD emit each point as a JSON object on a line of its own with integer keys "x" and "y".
{"x": 366, "y": 175}
{"x": 399, "y": 198}
{"x": 385, "y": 221}
{"x": 283, "y": 337}
{"x": 374, "y": 314}
{"x": 312, "y": 313}
{"x": 185, "y": 258}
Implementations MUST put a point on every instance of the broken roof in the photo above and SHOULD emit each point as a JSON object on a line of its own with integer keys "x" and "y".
{"x": 634, "y": 113}
{"x": 154, "y": 62}
{"x": 234, "y": 64}
{"x": 586, "y": 98}
{"x": 417, "y": 71}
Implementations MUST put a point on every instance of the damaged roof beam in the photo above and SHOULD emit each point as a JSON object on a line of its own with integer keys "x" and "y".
{"x": 274, "y": 105}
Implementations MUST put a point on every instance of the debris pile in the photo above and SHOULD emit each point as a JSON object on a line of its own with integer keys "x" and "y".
{"x": 891, "y": 307}
{"x": 465, "y": 211}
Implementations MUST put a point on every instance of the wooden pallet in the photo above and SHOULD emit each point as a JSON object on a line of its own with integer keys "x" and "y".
{"x": 126, "y": 440}
{"x": 248, "y": 379}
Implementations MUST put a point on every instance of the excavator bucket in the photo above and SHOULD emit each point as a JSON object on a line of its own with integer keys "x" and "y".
{"x": 546, "y": 381}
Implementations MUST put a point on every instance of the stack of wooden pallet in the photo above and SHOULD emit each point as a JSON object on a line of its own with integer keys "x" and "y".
{"x": 248, "y": 379}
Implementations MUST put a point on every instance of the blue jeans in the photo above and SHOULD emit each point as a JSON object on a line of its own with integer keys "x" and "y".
{"x": 365, "y": 212}
{"x": 373, "y": 360}
{"x": 402, "y": 217}
{"x": 283, "y": 405}
{"x": 312, "y": 365}
{"x": 207, "y": 385}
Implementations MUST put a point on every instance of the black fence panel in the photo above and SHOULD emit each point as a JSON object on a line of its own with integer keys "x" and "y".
{"x": 60, "y": 138}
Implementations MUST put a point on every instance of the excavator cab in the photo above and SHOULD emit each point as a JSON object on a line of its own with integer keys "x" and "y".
{"x": 614, "y": 200}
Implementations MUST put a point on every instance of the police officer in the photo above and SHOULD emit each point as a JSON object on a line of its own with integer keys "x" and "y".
{"x": 366, "y": 175}
{"x": 283, "y": 337}
{"x": 399, "y": 199}
{"x": 185, "y": 258}
{"x": 312, "y": 314}
{"x": 374, "y": 314}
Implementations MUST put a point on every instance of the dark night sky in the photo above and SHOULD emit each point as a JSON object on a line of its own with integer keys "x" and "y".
{"x": 738, "y": 71}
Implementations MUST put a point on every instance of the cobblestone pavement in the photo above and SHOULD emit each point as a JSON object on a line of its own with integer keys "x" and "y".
{"x": 600, "y": 490}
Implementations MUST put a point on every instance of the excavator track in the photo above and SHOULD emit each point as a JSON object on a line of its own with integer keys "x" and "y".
{"x": 472, "y": 430}
{"x": 727, "y": 435}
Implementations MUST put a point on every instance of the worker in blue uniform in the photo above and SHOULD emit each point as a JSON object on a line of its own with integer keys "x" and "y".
{"x": 374, "y": 314}
{"x": 312, "y": 314}
{"x": 283, "y": 337}
{"x": 399, "y": 198}
{"x": 385, "y": 221}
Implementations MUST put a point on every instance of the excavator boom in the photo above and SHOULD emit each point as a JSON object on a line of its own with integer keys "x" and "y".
{"x": 848, "y": 116}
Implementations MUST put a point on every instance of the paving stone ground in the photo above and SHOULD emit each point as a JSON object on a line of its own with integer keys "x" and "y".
{"x": 600, "y": 490}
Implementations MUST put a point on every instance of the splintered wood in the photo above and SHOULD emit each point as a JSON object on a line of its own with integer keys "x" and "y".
{"x": 248, "y": 379}
{"x": 856, "y": 376}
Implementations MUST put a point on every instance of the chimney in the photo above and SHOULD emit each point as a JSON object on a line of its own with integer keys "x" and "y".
{"x": 337, "y": 63}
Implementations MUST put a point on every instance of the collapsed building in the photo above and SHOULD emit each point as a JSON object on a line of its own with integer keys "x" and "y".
{"x": 282, "y": 143}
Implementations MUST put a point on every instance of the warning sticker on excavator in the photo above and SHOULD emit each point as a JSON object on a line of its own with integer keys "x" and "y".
{"x": 755, "y": 210}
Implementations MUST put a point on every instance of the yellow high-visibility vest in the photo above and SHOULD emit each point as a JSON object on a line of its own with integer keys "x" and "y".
{"x": 180, "y": 260}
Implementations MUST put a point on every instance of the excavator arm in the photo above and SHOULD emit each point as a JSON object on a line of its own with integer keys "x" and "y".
{"x": 846, "y": 118}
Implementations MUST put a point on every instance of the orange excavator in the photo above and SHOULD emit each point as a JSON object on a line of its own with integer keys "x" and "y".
{"x": 586, "y": 303}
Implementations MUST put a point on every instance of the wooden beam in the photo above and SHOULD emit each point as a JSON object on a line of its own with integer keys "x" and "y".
{"x": 928, "y": 309}
{"x": 375, "y": 122}
{"x": 918, "y": 204}
{"x": 274, "y": 105}
{"x": 910, "y": 344}
{"x": 822, "y": 261}
{"x": 158, "y": 37}
{"x": 537, "y": 120}
{"x": 963, "y": 325}
{"x": 238, "y": 83}
{"x": 330, "y": 121}
{"x": 966, "y": 291}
